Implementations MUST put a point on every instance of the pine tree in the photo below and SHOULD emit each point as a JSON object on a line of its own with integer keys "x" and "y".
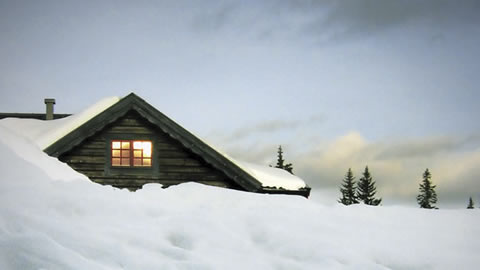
{"x": 366, "y": 189}
{"x": 280, "y": 159}
{"x": 348, "y": 189}
{"x": 470, "y": 204}
{"x": 281, "y": 162}
{"x": 427, "y": 197}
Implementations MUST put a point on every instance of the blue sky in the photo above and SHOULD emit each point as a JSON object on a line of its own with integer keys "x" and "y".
{"x": 391, "y": 84}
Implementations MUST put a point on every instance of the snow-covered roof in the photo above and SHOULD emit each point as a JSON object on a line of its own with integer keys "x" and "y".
{"x": 46, "y": 133}
{"x": 272, "y": 177}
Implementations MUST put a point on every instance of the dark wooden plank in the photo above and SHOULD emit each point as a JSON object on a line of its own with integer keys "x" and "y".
{"x": 88, "y": 152}
{"x": 94, "y": 145}
{"x": 84, "y": 159}
{"x": 187, "y": 176}
{"x": 185, "y": 169}
{"x": 88, "y": 166}
{"x": 161, "y": 146}
{"x": 188, "y": 162}
{"x": 129, "y": 122}
{"x": 91, "y": 174}
{"x": 130, "y": 129}
{"x": 164, "y": 154}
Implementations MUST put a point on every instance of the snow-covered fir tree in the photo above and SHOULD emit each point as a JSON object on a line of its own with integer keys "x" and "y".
{"x": 366, "y": 189}
{"x": 427, "y": 197}
{"x": 348, "y": 189}
{"x": 470, "y": 204}
{"x": 281, "y": 162}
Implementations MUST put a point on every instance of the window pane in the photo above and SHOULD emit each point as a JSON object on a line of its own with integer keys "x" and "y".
{"x": 115, "y": 153}
{"x": 137, "y": 162}
{"x": 125, "y": 145}
{"x": 115, "y": 145}
{"x": 147, "y": 162}
{"x": 125, "y": 153}
{"x": 137, "y": 153}
{"x": 137, "y": 145}
{"x": 147, "y": 149}
{"x": 125, "y": 162}
{"x": 115, "y": 162}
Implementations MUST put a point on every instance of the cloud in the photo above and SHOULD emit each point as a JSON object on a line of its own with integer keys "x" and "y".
{"x": 268, "y": 127}
{"x": 396, "y": 165}
{"x": 418, "y": 148}
{"x": 332, "y": 20}
{"x": 264, "y": 127}
{"x": 365, "y": 17}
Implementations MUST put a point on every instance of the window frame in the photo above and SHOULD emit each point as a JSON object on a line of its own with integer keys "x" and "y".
{"x": 131, "y": 154}
{"x": 129, "y": 170}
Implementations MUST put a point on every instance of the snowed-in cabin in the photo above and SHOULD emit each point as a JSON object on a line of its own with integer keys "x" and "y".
{"x": 127, "y": 143}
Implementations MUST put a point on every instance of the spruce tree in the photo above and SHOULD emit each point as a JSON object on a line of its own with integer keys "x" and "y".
{"x": 470, "y": 204}
{"x": 348, "y": 189}
{"x": 366, "y": 189}
{"x": 281, "y": 162}
{"x": 280, "y": 159}
{"x": 427, "y": 197}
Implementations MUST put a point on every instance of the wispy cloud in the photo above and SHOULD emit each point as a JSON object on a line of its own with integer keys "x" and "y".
{"x": 326, "y": 20}
{"x": 427, "y": 147}
{"x": 264, "y": 127}
{"x": 268, "y": 127}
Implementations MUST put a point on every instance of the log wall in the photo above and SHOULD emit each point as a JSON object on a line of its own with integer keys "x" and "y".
{"x": 172, "y": 163}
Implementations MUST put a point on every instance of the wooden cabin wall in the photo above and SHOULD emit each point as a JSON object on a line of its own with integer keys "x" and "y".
{"x": 172, "y": 162}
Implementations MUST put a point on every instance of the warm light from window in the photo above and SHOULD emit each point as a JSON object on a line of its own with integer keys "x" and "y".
{"x": 131, "y": 153}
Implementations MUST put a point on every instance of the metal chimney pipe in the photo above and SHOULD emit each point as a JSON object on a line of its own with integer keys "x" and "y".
{"x": 49, "y": 102}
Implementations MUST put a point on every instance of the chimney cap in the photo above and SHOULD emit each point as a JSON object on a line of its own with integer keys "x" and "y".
{"x": 49, "y": 100}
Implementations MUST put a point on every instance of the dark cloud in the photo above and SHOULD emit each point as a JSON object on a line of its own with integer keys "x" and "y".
{"x": 333, "y": 20}
{"x": 366, "y": 17}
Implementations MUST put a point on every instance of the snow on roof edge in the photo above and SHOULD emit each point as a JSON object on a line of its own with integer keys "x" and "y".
{"x": 267, "y": 176}
{"x": 61, "y": 127}
{"x": 272, "y": 177}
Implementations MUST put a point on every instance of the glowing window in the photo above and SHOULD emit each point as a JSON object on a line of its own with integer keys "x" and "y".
{"x": 131, "y": 153}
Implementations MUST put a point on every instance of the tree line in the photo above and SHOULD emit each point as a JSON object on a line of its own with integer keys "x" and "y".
{"x": 364, "y": 191}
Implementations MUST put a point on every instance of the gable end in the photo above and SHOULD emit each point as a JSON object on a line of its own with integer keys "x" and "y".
{"x": 158, "y": 119}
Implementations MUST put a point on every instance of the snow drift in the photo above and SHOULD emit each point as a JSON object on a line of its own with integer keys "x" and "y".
{"x": 46, "y": 223}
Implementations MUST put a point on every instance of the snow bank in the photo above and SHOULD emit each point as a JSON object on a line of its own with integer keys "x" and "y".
{"x": 25, "y": 149}
{"x": 49, "y": 224}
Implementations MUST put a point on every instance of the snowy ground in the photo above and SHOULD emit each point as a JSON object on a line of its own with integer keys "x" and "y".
{"x": 53, "y": 218}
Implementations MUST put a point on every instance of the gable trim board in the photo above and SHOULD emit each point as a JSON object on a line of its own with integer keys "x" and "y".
{"x": 39, "y": 116}
{"x": 175, "y": 131}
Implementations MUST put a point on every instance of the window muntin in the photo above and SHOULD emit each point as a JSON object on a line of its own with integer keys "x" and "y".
{"x": 131, "y": 153}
